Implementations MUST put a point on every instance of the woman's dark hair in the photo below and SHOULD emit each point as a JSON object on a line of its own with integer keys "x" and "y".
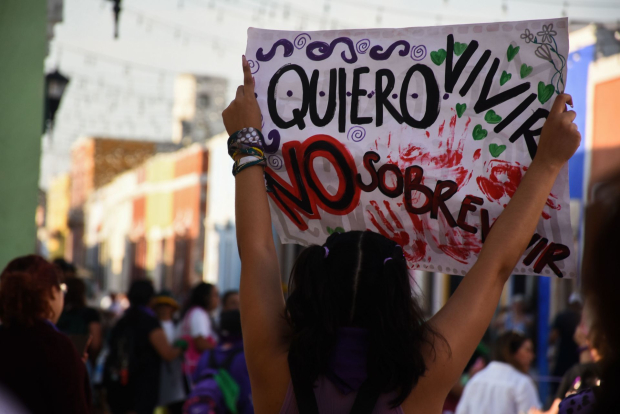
{"x": 76, "y": 293}
{"x": 601, "y": 286}
{"x": 200, "y": 296}
{"x": 358, "y": 279}
{"x": 140, "y": 293}
{"x": 227, "y": 295}
{"x": 25, "y": 290}
{"x": 230, "y": 324}
{"x": 507, "y": 346}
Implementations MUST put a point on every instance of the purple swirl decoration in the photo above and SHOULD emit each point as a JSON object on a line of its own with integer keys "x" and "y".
{"x": 418, "y": 52}
{"x": 286, "y": 44}
{"x": 275, "y": 162}
{"x": 325, "y": 50}
{"x": 376, "y": 52}
{"x": 254, "y": 66}
{"x": 274, "y": 142}
{"x": 362, "y": 46}
{"x": 301, "y": 40}
{"x": 356, "y": 133}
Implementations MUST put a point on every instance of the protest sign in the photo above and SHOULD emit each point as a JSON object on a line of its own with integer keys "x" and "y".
{"x": 420, "y": 134}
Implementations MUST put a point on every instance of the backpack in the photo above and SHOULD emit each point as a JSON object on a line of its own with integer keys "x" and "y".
{"x": 120, "y": 367}
{"x": 216, "y": 391}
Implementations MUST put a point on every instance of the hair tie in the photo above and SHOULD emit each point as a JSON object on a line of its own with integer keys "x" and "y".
{"x": 326, "y": 252}
{"x": 385, "y": 261}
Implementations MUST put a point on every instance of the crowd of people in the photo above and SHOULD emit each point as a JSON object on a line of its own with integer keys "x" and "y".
{"x": 155, "y": 356}
{"x": 350, "y": 336}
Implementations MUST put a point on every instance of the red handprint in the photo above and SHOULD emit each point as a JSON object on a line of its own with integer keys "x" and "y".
{"x": 415, "y": 251}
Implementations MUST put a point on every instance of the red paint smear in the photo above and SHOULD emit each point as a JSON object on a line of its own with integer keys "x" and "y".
{"x": 551, "y": 203}
{"x": 457, "y": 243}
{"x": 449, "y": 160}
{"x": 501, "y": 181}
{"x": 419, "y": 242}
{"x": 428, "y": 134}
{"x": 440, "y": 132}
{"x": 477, "y": 154}
{"x": 467, "y": 124}
{"x": 394, "y": 232}
{"x": 389, "y": 139}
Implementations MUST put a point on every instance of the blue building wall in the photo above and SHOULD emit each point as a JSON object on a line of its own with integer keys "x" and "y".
{"x": 578, "y": 63}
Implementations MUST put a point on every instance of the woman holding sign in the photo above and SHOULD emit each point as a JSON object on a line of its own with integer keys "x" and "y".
{"x": 351, "y": 338}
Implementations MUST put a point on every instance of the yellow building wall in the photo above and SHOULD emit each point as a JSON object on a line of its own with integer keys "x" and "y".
{"x": 58, "y": 205}
{"x": 159, "y": 206}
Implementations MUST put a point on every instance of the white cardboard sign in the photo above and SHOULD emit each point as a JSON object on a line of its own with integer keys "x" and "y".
{"x": 420, "y": 134}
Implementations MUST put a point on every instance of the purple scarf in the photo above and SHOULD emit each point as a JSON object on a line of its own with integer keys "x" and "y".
{"x": 347, "y": 367}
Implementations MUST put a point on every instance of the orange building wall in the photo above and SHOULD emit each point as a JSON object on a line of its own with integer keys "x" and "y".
{"x": 605, "y": 131}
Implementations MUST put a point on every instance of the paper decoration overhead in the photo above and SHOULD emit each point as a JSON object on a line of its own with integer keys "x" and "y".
{"x": 420, "y": 134}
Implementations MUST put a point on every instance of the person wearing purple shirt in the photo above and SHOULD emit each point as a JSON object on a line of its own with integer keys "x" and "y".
{"x": 230, "y": 350}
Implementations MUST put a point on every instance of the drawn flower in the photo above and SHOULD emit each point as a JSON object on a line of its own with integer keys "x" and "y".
{"x": 547, "y": 33}
{"x": 527, "y": 36}
{"x": 544, "y": 53}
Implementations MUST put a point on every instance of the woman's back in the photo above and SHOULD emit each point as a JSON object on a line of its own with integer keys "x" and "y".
{"x": 331, "y": 400}
{"x": 33, "y": 360}
{"x": 337, "y": 390}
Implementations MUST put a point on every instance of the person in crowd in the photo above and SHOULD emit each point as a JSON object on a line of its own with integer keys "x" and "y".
{"x": 350, "y": 322}
{"x": 172, "y": 388}
{"x": 116, "y": 305}
{"x": 583, "y": 375}
{"x": 39, "y": 365}
{"x": 562, "y": 333}
{"x": 600, "y": 288}
{"x": 137, "y": 345}
{"x": 516, "y": 319}
{"x": 81, "y": 323}
{"x": 228, "y": 356}
{"x": 478, "y": 361}
{"x": 197, "y": 326}
{"x": 230, "y": 300}
{"x": 68, "y": 269}
{"x": 503, "y": 386}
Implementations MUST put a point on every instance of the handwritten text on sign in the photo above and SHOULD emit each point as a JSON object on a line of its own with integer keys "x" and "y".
{"x": 420, "y": 134}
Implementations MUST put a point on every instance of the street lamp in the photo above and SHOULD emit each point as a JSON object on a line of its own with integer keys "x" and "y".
{"x": 55, "y": 84}
{"x": 117, "y": 11}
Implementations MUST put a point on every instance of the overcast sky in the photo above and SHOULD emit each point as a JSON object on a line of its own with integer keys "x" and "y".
{"x": 123, "y": 87}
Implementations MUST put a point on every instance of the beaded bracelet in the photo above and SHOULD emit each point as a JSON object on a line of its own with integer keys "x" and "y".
{"x": 241, "y": 165}
{"x": 252, "y": 151}
{"x": 244, "y": 139}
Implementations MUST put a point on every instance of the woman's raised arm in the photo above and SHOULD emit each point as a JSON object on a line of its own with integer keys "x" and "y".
{"x": 467, "y": 314}
{"x": 261, "y": 297}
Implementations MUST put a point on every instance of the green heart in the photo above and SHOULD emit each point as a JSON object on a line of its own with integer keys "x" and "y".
{"x": 479, "y": 133}
{"x": 545, "y": 92}
{"x": 459, "y": 48}
{"x": 438, "y": 56}
{"x": 460, "y": 108}
{"x": 336, "y": 230}
{"x": 525, "y": 70}
{"x": 505, "y": 77}
{"x": 496, "y": 150}
{"x": 491, "y": 117}
{"x": 512, "y": 52}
